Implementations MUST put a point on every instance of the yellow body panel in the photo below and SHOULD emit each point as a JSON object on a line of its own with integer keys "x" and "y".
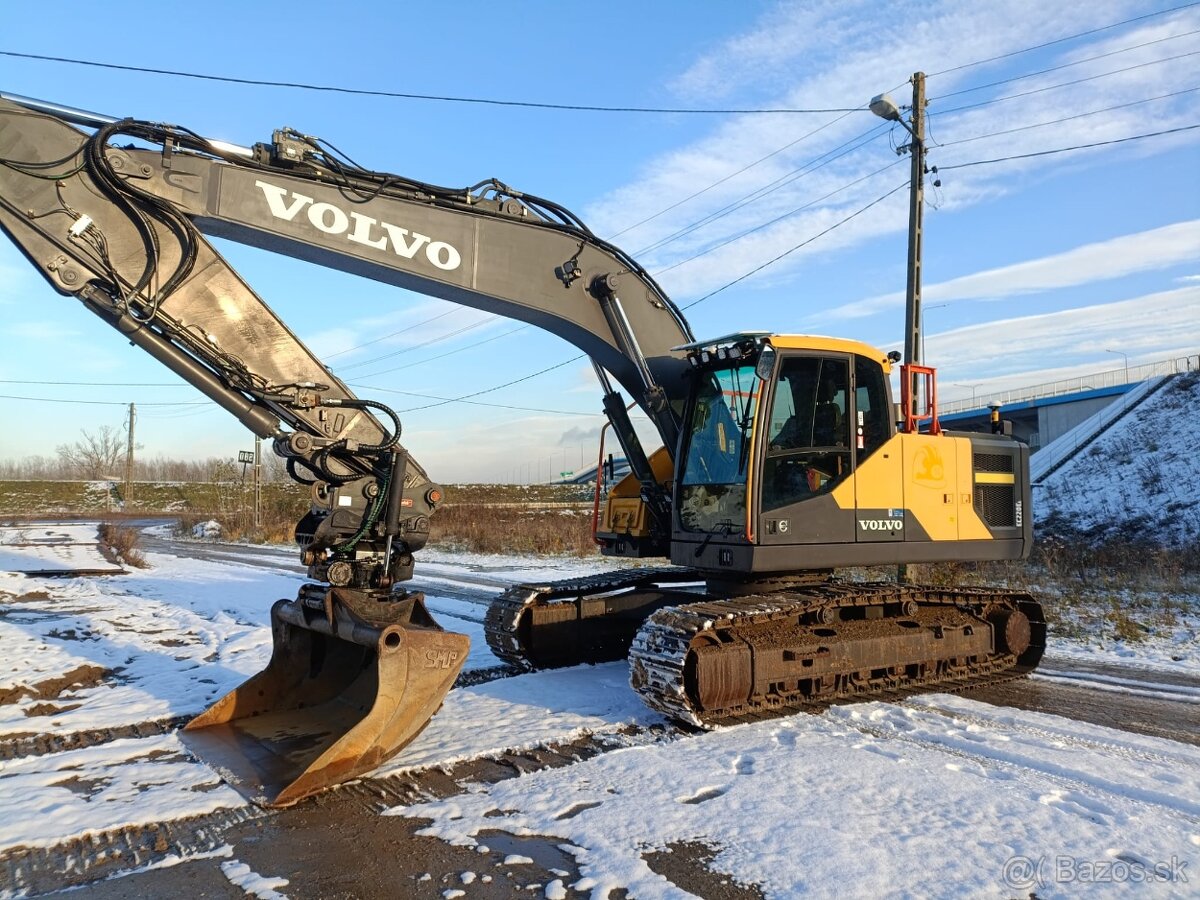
{"x": 995, "y": 478}
{"x": 624, "y": 511}
{"x": 930, "y": 476}
{"x": 878, "y": 483}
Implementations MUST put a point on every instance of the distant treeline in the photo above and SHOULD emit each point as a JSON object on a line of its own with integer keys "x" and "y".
{"x": 160, "y": 468}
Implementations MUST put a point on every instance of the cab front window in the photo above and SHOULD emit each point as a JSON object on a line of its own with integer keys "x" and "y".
{"x": 713, "y": 484}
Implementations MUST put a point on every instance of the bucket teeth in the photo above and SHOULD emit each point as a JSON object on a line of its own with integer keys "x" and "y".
{"x": 353, "y": 679}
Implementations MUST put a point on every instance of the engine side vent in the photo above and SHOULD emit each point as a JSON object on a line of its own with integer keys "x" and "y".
{"x": 994, "y": 462}
{"x": 995, "y": 504}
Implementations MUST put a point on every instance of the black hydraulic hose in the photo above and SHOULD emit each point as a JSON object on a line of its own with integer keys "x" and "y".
{"x": 293, "y": 474}
{"x": 120, "y": 190}
{"x": 355, "y": 403}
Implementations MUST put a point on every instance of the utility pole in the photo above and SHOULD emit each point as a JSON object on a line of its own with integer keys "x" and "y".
{"x": 916, "y": 210}
{"x": 129, "y": 459}
{"x": 257, "y": 481}
{"x": 913, "y": 337}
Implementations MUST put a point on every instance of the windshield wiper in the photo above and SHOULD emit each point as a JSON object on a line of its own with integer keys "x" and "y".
{"x": 728, "y": 530}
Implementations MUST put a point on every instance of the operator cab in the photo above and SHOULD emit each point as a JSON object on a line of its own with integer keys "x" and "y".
{"x": 774, "y": 425}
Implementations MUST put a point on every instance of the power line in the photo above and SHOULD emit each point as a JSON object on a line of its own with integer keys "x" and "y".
{"x": 791, "y": 177}
{"x": 721, "y": 181}
{"x": 1135, "y": 137}
{"x": 437, "y": 340}
{"x": 429, "y": 359}
{"x": 780, "y": 218}
{"x": 1078, "y": 62}
{"x": 1051, "y": 87}
{"x": 465, "y": 397}
{"x": 1082, "y": 115}
{"x": 97, "y": 402}
{"x": 1062, "y": 40}
{"x": 561, "y": 412}
{"x": 394, "y": 333}
{"x": 757, "y": 269}
{"x": 803, "y": 243}
{"x": 796, "y": 174}
{"x": 529, "y": 104}
{"x": 96, "y": 384}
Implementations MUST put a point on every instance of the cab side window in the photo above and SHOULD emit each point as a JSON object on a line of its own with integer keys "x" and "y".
{"x": 872, "y": 409}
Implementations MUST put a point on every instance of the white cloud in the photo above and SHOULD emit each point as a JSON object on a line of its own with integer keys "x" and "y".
{"x": 1144, "y": 251}
{"x": 839, "y": 54}
{"x": 1041, "y": 348}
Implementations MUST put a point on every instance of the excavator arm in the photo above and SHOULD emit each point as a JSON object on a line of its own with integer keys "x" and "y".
{"x": 489, "y": 247}
{"x": 116, "y": 217}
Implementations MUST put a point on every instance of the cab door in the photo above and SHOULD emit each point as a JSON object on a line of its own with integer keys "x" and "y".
{"x": 807, "y": 452}
{"x": 879, "y": 484}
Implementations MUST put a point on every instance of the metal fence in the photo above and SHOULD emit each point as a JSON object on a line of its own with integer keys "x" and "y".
{"x": 1094, "y": 381}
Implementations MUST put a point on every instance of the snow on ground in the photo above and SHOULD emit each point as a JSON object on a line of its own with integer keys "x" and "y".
{"x": 864, "y": 800}
{"x": 164, "y": 658}
{"x": 940, "y": 796}
{"x": 165, "y": 642}
{"x": 52, "y": 547}
{"x": 52, "y": 798}
{"x": 252, "y": 883}
{"x": 524, "y": 712}
{"x": 1141, "y": 476}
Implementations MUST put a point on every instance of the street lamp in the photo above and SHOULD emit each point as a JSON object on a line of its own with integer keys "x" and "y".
{"x": 1126, "y": 358}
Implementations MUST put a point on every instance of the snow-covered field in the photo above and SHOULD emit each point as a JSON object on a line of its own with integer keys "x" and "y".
{"x": 936, "y": 796}
{"x": 50, "y": 547}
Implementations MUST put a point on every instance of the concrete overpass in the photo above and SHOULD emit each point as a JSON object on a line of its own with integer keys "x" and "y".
{"x": 1041, "y": 413}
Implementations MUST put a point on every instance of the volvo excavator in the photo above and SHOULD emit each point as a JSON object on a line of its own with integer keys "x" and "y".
{"x": 783, "y": 465}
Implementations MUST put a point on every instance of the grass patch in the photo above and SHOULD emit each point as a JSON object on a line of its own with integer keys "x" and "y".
{"x": 506, "y": 529}
{"x": 121, "y": 543}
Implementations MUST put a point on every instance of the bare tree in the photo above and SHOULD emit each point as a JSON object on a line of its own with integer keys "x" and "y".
{"x": 96, "y": 455}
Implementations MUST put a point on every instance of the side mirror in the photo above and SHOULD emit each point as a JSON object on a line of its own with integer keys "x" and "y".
{"x": 766, "y": 363}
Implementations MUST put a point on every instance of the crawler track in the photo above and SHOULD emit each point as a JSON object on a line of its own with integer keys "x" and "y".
{"x": 577, "y": 620}
{"x": 701, "y": 661}
{"x": 819, "y": 630}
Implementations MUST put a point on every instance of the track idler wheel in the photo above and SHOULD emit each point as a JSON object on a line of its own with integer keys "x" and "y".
{"x": 354, "y": 676}
{"x": 1011, "y": 630}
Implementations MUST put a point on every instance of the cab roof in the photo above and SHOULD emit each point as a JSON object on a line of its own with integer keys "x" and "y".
{"x": 832, "y": 344}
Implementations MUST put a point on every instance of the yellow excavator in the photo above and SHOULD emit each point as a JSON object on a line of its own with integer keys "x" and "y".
{"x": 782, "y": 460}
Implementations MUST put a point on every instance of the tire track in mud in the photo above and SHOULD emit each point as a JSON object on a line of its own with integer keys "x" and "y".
{"x": 101, "y": 855}
{"x": 1186, "y": 755}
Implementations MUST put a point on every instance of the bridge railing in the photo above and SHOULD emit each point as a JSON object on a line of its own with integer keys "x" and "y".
{"x": 1094, "y": 381}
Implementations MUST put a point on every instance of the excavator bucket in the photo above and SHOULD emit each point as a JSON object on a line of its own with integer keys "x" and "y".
{"x": 340, "y": 696}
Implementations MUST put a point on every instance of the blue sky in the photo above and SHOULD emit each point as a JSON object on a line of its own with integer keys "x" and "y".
{"x": 1035, "y": 269}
